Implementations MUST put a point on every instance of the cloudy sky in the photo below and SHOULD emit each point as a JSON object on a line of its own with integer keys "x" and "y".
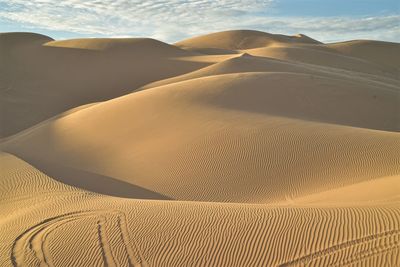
{"x": 172, "y": 20}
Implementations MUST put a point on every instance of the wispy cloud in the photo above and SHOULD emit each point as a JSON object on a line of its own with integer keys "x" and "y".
{"x": 336, "y": 28}
{"x": 176, "y": 19}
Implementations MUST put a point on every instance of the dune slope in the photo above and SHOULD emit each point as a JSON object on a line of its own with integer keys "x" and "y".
{"x": 234, "y": 141}
{"x": 41, "y": 79}
{"x": 66, "y": 226}
{"x": 250, "y": 63}
{"x": 382, "y": 53}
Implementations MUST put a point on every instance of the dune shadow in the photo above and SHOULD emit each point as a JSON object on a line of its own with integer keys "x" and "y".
{"x": 92, "y": 181}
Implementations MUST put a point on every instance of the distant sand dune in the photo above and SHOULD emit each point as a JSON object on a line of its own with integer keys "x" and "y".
{"x": 242, "y": 39}
{"x": 360, "y": 55}
{"x": 248, "y": 63}
{"x": 382, "y": 53}
{"x": 42, "y": 79}
{"x": 237, "y": 148}
{"x": 122, "y": 45}
{"x": 323, "y": 58}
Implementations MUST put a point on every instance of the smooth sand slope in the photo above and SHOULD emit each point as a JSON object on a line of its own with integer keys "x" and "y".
{"x": 382, "y": 53}
{"x": 226, "y": 137}
{"x": 238, "y": 148}
{"x": 41, "y": 78}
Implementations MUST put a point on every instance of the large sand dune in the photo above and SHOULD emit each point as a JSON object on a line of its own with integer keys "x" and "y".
{"x": 238, "y": 148}
{"x": 42, "y": 78}
{"x": 242, "y": 39}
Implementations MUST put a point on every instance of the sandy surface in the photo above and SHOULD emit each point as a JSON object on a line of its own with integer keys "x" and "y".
{"x": 238, "y": 148}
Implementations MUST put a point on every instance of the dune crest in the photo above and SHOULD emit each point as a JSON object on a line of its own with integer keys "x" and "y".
{"x": 241, "y": 39}
{"x": 127, "y": 45}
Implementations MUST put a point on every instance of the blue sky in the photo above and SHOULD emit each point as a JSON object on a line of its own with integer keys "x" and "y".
{"x": 173, "y": 20}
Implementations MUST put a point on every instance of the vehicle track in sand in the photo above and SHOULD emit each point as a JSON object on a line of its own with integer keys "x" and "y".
{"x": 31, "y": 246}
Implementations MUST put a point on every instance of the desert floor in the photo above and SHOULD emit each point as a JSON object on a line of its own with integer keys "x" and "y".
{"x": 237, "y": 148}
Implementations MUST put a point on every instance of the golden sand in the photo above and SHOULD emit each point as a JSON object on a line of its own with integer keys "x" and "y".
{"x": 238, "y": 148}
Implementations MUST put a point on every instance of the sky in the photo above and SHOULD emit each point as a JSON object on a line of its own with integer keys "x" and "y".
{"x": 174, "y": 20}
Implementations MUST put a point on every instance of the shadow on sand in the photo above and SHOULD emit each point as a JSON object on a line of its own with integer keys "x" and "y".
{"x": 92, "y": 181}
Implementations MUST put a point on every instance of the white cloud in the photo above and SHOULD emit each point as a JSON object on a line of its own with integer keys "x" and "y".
{"x": 176, "y": 19}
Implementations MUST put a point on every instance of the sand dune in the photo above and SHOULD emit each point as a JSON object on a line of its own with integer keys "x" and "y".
{"x": 42, "y": 79}
{"x": 382, "y": 53}
{"x": 241, "y": 39}
{"x": 333, "y": 96}
{"x": 249, "y": 63}
{"x": 138, "y": 46}
{"x": 320, "y": 57}
{"x": 234, "y": 142}
{"x": 238, "y": 148}
{"x": 364, "y": 56}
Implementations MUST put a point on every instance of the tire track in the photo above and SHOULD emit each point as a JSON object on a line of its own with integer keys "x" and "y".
{"x": 135, "y": 258}
{"x": 307, "y": 259}
{"x": 25, "y": 242}
{"x": 106, "y": 251}
{"x": 30, "y": 246}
